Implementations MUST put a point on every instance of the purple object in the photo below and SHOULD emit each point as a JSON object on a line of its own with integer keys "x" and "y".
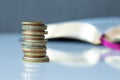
{"x": 108, "y": 44}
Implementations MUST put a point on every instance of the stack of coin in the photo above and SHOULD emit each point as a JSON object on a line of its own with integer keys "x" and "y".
{"x": 34, "y": 42}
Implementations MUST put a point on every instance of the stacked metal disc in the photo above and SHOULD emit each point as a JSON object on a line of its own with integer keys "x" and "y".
{"x": 34, "y": 42}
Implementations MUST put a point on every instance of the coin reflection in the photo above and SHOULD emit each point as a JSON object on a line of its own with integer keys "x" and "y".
{"x": 34, "y": 71}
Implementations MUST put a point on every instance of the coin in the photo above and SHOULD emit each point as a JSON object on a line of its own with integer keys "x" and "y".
{"x": 33, "y": 47}
{"x": 33, "y": 37}
{"x": 34, "y": 33}
{"x": 35, "y": 54}
{"x": 33, "y": 23}
{"x": 33, "y": 51}
{"x": 43, "y": 59}
{"x": 35, "y": 41}
{"x": 30, "y": 49}
{"x": 26, "y": 27}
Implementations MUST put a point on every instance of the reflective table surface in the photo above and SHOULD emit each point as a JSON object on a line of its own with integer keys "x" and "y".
{"x": 69, "y": 60}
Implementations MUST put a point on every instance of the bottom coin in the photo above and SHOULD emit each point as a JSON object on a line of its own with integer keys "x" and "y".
{"x": 36, "y": 60}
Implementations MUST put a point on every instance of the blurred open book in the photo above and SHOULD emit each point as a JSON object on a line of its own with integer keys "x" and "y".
{"x": 74, "y": 30}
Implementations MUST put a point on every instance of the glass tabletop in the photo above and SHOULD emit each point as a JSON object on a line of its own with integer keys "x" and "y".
{"x": 68, "y": 61}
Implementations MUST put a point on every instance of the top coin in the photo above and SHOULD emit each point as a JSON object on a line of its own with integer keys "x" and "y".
{"x": 33, "y": 23}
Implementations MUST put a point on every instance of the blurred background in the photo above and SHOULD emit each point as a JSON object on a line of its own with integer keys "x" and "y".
{"x": 12, "y": 12}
